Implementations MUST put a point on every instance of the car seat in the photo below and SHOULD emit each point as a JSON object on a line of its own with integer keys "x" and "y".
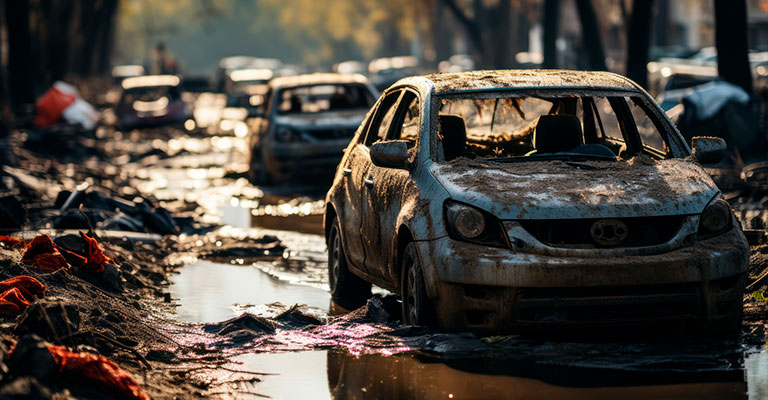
{"x": 556, "y": 134}
{"x": 453, "y": 134}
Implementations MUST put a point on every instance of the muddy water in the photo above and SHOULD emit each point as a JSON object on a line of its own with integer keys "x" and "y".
{"x": 212, "y": 292}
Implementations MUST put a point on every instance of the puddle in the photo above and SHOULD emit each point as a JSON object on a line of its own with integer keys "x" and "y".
{"x": 338, "y": 375}
{"x": 213, "y": 292}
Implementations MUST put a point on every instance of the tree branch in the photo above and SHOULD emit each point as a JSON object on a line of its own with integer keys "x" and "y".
{"x": 472, "y": 29}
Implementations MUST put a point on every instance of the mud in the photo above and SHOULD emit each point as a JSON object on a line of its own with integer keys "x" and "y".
{"x": 530, "y": 190}
{"x": 216, "y": 311}
{"x": 473, "y": 80}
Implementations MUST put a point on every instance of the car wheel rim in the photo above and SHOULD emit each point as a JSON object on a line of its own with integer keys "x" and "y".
{"x": 412, "y": 298}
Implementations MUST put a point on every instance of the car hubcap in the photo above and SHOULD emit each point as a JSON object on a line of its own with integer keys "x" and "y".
{"x": 412, "y": 298}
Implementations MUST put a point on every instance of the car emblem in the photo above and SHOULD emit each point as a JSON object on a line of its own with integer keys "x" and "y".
{"x": 609, "y": 232}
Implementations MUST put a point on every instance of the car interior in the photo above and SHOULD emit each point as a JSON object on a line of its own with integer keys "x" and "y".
{"x": 606, "y": 128}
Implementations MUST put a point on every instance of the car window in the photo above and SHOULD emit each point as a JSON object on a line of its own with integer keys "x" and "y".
{"x": 411, "y": 120}
{"x": 554, "y": 124}
{"x": 608, "y": 123}
{"x": 382, "y": 119}
{"x": 649, "y": 134}
{"x": 324, "y": 98}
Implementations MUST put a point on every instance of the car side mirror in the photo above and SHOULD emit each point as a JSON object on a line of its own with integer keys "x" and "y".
{"x": 708, "y": 150}
{"x": 390, "y": 154}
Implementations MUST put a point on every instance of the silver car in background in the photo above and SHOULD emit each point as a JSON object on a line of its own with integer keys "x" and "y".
{"x": 304, "y": 124}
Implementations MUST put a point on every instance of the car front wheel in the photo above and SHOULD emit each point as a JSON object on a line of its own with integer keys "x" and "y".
{"x": 417, "y": 307}
{"x": 347, "y": 289}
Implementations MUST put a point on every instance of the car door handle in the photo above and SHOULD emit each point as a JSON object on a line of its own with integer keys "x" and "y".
{"x": 368, "y": 182}
{"x": 346, "y": 171}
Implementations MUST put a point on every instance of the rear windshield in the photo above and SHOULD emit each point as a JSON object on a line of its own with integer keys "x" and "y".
{"x": 321, "y": 98}
{"x": 609, "y": 127}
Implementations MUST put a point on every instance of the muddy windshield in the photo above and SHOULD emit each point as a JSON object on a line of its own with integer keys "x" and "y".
{"x": 507, "y": 128}
{"x": 321, "y": 98}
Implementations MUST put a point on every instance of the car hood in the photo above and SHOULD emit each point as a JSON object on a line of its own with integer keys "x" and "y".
{"x": 348, "y": 118}
{"x": 639, "y": 187}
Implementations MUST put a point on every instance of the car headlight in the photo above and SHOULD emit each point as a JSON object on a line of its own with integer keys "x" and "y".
{"x": 715, "y": 219}
{"x": 470, "y": 224}
{"x": 286, "y": 135}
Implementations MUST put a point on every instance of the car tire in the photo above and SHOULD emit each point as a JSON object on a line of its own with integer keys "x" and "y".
{"x": 416, "y": 306}
{"x": 347, "y": 289}
{"x": 258, "y": 171}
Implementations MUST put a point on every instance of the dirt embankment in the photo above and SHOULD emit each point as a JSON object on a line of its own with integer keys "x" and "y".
{"x": 87, "y": 315}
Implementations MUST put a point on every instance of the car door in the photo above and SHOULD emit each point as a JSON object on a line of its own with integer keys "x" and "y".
{"x": 354, "y": 171}
{"x": 384, "y": 189}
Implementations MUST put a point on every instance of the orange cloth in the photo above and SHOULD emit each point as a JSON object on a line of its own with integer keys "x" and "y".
{"x": 17, "y": 293}
{"x": 11, "y": 242}
{"x": 44, "y": 254}
{"x": 99, "y": 369}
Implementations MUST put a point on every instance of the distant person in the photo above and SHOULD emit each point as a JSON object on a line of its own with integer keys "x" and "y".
{"x": 163, "y": 63}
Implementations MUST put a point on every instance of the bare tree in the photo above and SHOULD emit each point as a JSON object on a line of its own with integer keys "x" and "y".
{"x": 590, "y": 34}
{"x": 551, "y": 24}
{"x": 731, "y": 42}
{"x": 638, "y": 41}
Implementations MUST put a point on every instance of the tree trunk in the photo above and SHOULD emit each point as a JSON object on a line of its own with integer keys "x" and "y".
{"x": 500, "y": 18}
{"x": 551, "y": 23}
{"x": 473, "y": 31}
{"x": 638, "y": 41}
{"x": 731, "y": 42}
{"x": 20, "y": 75}
{"x": 590, "y": 35}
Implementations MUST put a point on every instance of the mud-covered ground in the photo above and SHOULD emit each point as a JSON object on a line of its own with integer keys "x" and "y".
{"x": 223, "y": 293}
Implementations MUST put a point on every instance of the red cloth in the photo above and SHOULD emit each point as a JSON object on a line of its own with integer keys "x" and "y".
{"x": 51, "y": 105}
{"x": 99, "y": 369}
{"x": 43, "y": 253}
{"x": 95, "y": 257}
{"x": 12, "y": 302}
{"x": 17, "y": 293}
{"x": 11, "y": 242}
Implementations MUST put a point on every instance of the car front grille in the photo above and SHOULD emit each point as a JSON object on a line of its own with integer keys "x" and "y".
{"x": 576, "y": 233}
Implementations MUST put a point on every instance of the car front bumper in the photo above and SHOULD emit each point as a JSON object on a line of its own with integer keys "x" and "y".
{"x": 490, "y": 289}
{"x": 294, "y": 160}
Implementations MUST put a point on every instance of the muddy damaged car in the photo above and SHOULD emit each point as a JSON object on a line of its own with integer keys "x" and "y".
{"x": 527, "y": 201}
{"x": 304, "y": 124}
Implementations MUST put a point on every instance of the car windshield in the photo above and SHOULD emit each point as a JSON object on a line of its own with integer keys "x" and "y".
{"x": 150, "y": 94}
{"x": 541, "y": 126}
{"x": 321, "y": 98}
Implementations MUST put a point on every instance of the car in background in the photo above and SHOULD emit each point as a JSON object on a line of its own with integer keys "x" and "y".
{"x": 534, "y": 201}
{"x": 246, "y": 88}
{"x": 229, "y": 64}
{"x": 151, "y": 100}
{"x": 304, "y": 124}
{"x": 388, "y": 70}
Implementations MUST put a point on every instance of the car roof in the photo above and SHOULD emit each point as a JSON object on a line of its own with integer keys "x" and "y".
{"x": 317, "y": 79}
{"x": 148, "y": 81}
{"x": 453, "y": 82}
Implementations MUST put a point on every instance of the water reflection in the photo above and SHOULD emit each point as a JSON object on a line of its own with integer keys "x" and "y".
{"x": 212, "y": 292}
{"x": 411, "y": 377}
